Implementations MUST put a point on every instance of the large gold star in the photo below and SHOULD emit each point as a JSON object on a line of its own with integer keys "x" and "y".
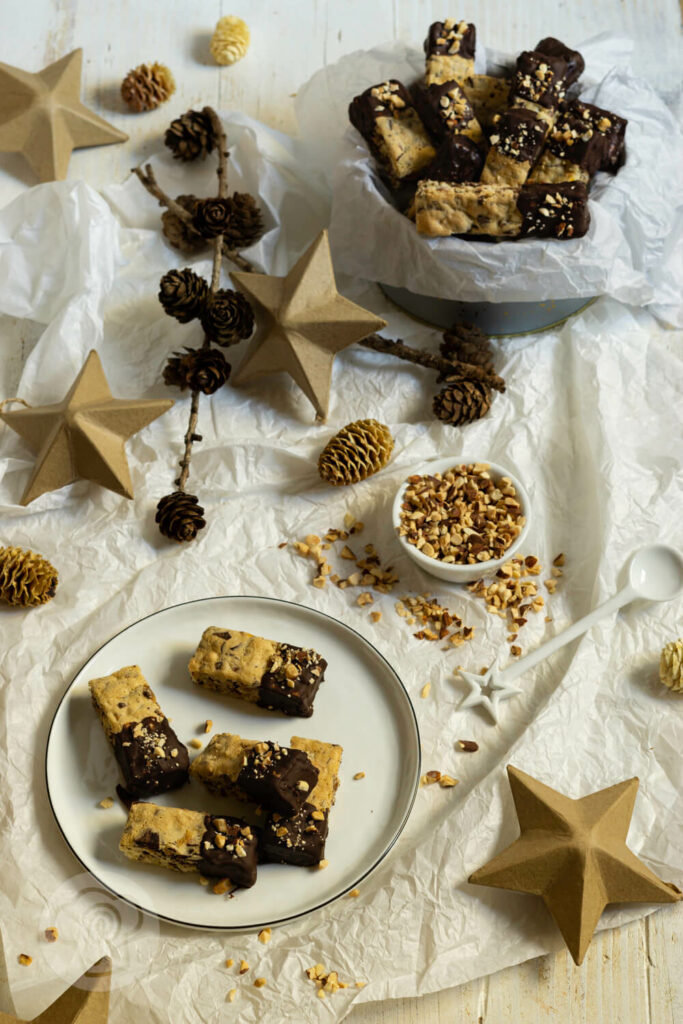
{"x": 42, "y": 116}
{"x": 83, "y": 435}
{"x": 304, "y": 323}
{"x": 86, "y": 1002}
{"x": 573, "y": 853}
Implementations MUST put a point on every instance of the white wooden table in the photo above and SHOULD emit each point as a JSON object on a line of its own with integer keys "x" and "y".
{"x": 632, "y": 975}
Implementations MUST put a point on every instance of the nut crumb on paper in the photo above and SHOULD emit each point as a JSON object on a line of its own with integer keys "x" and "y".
{"x": 265, "y": 935}
{"x": 51, "y": 934}
{"x": 25, "y": 960}
{"x": 106, "y": 803}
{"x": 424, "y": 692}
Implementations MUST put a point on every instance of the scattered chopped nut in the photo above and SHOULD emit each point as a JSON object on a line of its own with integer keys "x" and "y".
{"x": 424, "y": 692}
{"x": 244, "y": 966}
{"x": 515, "y": 650}
{"x": 321, "y": 993}
{"x": 559, "y": 559}
{"x": 468, "y": 745}
{"x": 361, "y": 984}
{"x": 51, "y": 934}
{"x": 461, "y": 516}
{"x": 229, "y": 962}
{"x": 106, "y": 803}
{"x": 222, "y": 886}
{"x": 208, "y": 725}
{"x": 440, "y": 622}
{"x": 231, "y": 995}
{"x": 259, "y": 982}
{"x": 447, "y": 782}
{"x": 325, "y": 982}
{"x": 375, "y": 616}
{"x": 365, "y": 598}
{"x": 323, "y": 864}
{"x": 354, "y": 892}
{"x": 359, "y": 775}
{"x": 265, "y": 935}
{"x": 550, "y": 585}
{"x": 25, "y": 960}
{"x": 203, "y": 881}
{"x": 194, "y": 742}
{"x": 429, "y": 778}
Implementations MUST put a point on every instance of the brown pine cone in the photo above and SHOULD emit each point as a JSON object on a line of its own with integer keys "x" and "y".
{"x": 180, "y": 516}
{"x": 212, "y": 216}
{"x": 183, "y": 294}
{"x": 227, "y": 317}
{"x": 200, "y": 369}
{"x": 465, "y": 343}
{"x": 356, "y": 452}
{"x": 179, "y": 233}
{"x": 245, "y": 226}
{"x": 147, "y": 86}
{"x": 462, "y": 401}
{"x": 190, "y": 136}
{"x": 26, "y": 578}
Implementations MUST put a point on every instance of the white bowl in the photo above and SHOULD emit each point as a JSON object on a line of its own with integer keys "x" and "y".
{"x": 451, "y": 571}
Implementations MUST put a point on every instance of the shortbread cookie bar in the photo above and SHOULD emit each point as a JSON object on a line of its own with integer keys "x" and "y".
{"x": 151, "y": 757}
{"x": 273, "y": 675}
{"x": 386, "y": 118}
{"x": 301, "y": 839}
{"x": 279, "y": 778}
{"x": 516, "y": 142}
{"x": 191, "y": 841}
{"x": 449, "y": 49}
{"x": 445, "y": 110}
{"x": 488, "y": 96}
{"x": 502, "y": 211}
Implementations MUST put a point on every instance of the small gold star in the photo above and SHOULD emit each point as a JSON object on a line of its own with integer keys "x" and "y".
{"x": 42, "y": 117}
{"x": 82, "y": 436}
{"x": 304, "y": 323}
{"x": 573, "y": 854}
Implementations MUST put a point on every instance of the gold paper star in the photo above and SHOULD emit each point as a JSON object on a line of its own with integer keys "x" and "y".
{"x": 86, "y": 1002}
{"x": 573, "y": 854}
{"x": 83, "y": 435}
{"x": 42, "y": 116}
{"x": 305, "y": 322}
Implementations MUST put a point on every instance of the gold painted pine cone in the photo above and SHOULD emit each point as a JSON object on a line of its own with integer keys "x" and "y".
{"x": 26, "y": 578}
{"x": 230, "y": 40}
{"x": 356, "y": 452}
{"x": 671, "y": 665}
{"x": 147, "y": 86}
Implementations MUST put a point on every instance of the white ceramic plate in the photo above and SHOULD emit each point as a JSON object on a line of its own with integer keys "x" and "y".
{"x": 361, "y": 704}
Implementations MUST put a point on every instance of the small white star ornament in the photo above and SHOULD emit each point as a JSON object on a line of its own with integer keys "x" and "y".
{"x": 487, "y": 691}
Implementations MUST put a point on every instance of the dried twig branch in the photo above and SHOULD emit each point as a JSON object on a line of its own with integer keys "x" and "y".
{"x": 446, "y": 367}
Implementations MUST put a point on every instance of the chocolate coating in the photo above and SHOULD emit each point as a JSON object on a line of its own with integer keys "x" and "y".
{"x": 457, "y": 159}
{"x": 292, "y": 694}
{"x": 610, "y": 127}
{"x": 444, "y": 108}
{"x": 519, "y": 134}
{"x": 299, "y": 840}
{"x": 439, "y": 30}
{"x": 539, "y": 78}
{"x": 228, "y": 849}
{"x": 365, "y": 109}
{"x": 144, "y": 771}
{"x": 552, "y": 47}
{"x": 279, "y": 778}
{"x": 554, "y": 211}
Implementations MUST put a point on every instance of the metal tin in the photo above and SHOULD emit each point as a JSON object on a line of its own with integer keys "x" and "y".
{"x": 494, "y": 318}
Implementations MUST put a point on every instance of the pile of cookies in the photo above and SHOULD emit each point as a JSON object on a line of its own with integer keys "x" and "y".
{"x": 493, "y": 158}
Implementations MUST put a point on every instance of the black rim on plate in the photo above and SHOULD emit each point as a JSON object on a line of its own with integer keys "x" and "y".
{"x": 290, "y": 917}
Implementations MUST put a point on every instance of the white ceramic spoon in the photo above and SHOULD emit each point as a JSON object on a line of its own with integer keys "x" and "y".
{"x": 655, "y": 573}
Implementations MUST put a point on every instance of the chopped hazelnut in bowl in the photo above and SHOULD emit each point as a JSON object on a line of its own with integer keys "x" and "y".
{"x": 461, "y": 518}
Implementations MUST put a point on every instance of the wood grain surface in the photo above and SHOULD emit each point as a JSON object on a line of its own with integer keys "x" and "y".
{"x": 631, "y": 975}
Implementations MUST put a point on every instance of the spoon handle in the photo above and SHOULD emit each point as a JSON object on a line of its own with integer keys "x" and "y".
{"x": 613, "y": 604}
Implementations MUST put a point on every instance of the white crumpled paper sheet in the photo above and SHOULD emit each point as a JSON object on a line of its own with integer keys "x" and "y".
{"x": 589, "y": 422}
{"x": 632, "y": 251}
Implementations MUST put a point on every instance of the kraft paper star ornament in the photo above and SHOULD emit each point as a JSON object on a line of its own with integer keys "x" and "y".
{"x": 487, "y": 691}
{"x": 42, "y": 117}
{"x": 304, "y": 322}
{"x": 83, "y": 435}
{"x": 86, "y": 1002}
{"x": 573, "y": 854}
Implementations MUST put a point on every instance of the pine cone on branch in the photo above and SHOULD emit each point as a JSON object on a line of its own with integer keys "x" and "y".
{"x": 201, "y": 369}
{"x": 465, "y": 343}
{"x": 212, "y": 217}
{"x": 183, "y": 294}
{"x": 147, "y": 86}
{"x": 227, "y": 317}
{"x": 180, "y": 517}
{"x": 179, "y": 233}
{"x": 356, "y": 452}
{"x": 190, "y": 136}
{"x": 462, "y": 401}
{"x": 26, "y": 579}
{"x": 245, "y": 226}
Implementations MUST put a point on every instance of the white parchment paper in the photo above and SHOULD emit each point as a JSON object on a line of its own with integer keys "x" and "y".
{"x": 590, "y": 422}
{"x": 632, "y": 251}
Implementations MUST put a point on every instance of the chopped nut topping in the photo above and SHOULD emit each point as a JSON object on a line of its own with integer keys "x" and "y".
{"x": 265, "y": 935}
{"x": 106, "y": 803}
{"x": 323, "y": 864}
{"x": 25, "y": 960}
{"x": 359, "y": 775}
{"x": 51, "y": 934}
{"x": 303, "y": 786}
{"x": 468, "y": 745}
{"x": 318, "y": 815}
{"x": 461, "y": 515}
{"x": 424, "y": 692}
